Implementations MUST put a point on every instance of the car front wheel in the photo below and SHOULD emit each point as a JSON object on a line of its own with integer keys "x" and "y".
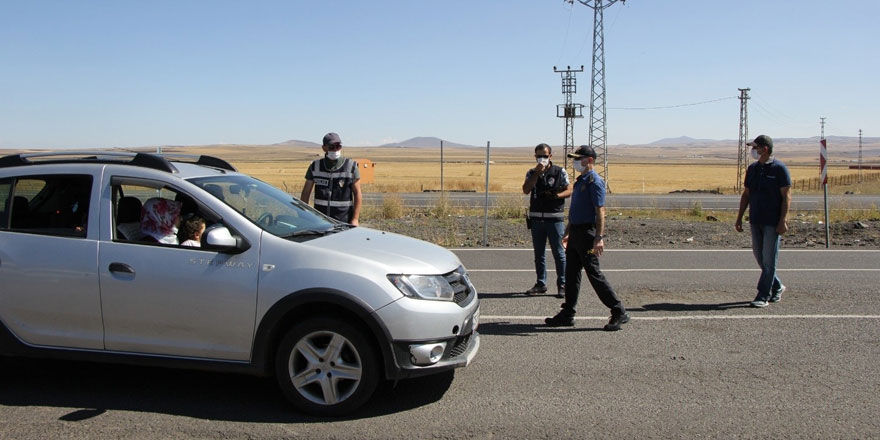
{"x": 326, "y": 367}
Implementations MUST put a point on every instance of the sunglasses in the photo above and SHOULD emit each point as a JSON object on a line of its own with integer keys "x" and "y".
{"x": 334, "y": 147}
{"x": 541, "y": 156}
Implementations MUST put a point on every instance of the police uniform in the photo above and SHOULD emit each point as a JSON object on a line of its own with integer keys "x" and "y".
{"x": 333, "y": 182}
{"x": 547, "y": 221}
{"x": 588, "y": 194}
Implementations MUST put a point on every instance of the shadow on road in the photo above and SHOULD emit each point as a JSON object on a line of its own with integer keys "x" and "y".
{"x": 519, "y": 329}
{"x": 504, "y": 295}
{"x": 677, "y": 307}
{"x": 98, "y": 388}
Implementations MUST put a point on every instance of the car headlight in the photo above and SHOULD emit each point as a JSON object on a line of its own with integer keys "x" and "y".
{"x": 433, "y": 287}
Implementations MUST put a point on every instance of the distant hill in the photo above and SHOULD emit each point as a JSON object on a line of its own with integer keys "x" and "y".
{"x": 832, "y": 140}
{"x": 296, "y": 143}
{"x": 425, "y": 142}
{"x": 684, "y": 140}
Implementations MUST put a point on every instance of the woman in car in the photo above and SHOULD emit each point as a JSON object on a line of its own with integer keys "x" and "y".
{"x": 160, "y": 219}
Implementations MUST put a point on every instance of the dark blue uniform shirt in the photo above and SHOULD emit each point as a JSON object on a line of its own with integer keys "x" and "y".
{"x": 589, "y": 192}
{"x": 765, "y": 199}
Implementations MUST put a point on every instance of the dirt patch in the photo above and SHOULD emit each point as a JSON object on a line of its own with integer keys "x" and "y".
{"x": 630, "y": 233}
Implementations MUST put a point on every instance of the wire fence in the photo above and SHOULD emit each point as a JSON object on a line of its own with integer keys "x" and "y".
{"x": 815, "y": 183}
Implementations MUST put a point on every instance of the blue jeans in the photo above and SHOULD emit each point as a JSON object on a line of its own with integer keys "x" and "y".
{"x": 765, "y": 246}
{"x": 542, "y": 230}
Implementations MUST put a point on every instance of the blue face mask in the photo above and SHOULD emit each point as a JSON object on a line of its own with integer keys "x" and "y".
{"x": 579, "y": 166}
{"x": 755, "y": 154}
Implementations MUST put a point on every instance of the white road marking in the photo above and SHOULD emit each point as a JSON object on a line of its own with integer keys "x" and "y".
{"x": 688, "y": 270}
{"x": 674, "y": 250}
{"x": 484, "y": 318}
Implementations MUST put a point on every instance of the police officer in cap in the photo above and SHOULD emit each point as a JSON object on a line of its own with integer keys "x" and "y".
{"x": 585, "y": 241}
{"x": 336, "y": 181}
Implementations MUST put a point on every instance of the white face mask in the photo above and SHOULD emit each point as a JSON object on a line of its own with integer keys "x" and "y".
{"x": 334, "y": 155}
{"x": 755, "y": 154}
{"x": 579, "y": 166}
{"x": 542, "y": 160}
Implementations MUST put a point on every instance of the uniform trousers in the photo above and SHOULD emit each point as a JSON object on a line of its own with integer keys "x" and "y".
{"x": 579, "y": 255}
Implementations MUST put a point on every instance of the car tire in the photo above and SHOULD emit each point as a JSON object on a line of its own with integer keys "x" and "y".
{"x": 326, "y": 367}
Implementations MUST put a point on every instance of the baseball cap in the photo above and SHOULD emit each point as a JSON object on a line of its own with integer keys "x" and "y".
{"x": 761, "y": 141}
{"x": 582, "y": 152}
{"x": 332, "y": 138}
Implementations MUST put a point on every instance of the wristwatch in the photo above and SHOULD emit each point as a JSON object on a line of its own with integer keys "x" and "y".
{"x": 600, "y": 237}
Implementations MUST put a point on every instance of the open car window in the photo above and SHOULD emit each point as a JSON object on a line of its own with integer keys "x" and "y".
{"x": 141, "y": 214}
{"x": 268, "y": 207}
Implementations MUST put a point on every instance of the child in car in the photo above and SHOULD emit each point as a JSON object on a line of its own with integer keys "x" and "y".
{"x": 191, "y": 230}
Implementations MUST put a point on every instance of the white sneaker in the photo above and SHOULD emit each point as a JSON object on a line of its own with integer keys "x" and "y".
{"x": 777, "y": 296}
{"x": 759, "y": 303}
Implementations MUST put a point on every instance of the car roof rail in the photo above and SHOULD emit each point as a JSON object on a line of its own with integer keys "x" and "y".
{"x": 78, "y": 156}
{"x": 200, "y": 159}
{"x": 159, "y": 162}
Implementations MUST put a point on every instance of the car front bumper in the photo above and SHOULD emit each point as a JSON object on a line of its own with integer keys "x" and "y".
{"x": 459, "y": 351}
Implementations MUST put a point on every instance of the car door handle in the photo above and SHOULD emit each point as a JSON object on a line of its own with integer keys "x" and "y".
{"x": 121, "y": 268}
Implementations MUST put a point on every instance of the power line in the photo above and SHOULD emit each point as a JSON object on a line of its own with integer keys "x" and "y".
{"x": 673, "y": 106}
{"x": 769, "y": 109}
{"x": 565, "y": 40}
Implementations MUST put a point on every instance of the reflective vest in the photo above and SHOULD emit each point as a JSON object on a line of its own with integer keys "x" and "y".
{"x": 544, "y": 208}
{"x": 333, "y": 189}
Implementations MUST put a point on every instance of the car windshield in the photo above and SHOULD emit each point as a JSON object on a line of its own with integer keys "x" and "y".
{"x": 268, "y": 207}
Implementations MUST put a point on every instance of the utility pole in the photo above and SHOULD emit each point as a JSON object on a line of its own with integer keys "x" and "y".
{"x": 742, "y": 156}
{"x": 598, "y": 128}
{"x": 860, "y": 155}
{"x": 569, "y": 110}
{"x": 441, "y": 168}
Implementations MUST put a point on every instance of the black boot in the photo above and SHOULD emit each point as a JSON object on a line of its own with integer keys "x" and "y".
{"x": 615, "y": 321}
{"x": 562, "y": 319}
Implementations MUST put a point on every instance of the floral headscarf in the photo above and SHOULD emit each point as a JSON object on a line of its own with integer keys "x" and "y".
{"x": 159, "y": 219}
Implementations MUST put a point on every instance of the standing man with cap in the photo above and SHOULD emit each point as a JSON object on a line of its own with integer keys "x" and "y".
{"x": 336, "y": 180}
{"x": 584, "y": 241}
{"x": 767, "y": 193}
{"x": 547, "y": 186}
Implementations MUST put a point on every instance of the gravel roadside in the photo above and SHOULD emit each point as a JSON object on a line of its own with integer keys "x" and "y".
{"x": 631, "y": 233}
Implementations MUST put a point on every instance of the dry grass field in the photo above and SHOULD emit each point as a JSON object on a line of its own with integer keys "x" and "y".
{"x": 419, "y": 169}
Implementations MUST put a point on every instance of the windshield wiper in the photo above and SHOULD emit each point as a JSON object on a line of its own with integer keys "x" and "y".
{"x": 305, "y": 232}
{"x": 312, "y": 232}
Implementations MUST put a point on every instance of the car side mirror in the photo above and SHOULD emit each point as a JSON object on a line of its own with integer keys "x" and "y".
{"x": 219, "y": 238}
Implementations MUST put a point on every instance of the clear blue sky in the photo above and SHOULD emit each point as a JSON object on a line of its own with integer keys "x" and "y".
{"x": 137, "y": 73}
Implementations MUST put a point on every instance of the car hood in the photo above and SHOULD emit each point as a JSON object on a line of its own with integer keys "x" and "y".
{"x": 399, "y": 253}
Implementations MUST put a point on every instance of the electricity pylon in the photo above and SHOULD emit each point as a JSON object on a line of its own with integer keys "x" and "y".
{"x": 742, "y": 155}
{"x": 569, "y": 110}
{"x": 598, "y": 127}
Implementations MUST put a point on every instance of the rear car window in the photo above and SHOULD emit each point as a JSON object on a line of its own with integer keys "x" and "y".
{"x": 5, "y": 201}
{"x": 51, "y": 205}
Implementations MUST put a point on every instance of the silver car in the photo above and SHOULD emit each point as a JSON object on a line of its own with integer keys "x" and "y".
{"x": 272, "y": 288}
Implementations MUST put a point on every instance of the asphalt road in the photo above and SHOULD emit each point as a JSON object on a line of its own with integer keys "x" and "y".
{"x": 695, "y": 361}
{"x": 647, "y": 201}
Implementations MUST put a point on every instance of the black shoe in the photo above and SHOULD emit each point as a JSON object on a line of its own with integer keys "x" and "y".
{"x": 536, "y": 289}
{"x": 562, "y": 319}
{"x": 615, "y": 322}
{"x": 560, "y": 292}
